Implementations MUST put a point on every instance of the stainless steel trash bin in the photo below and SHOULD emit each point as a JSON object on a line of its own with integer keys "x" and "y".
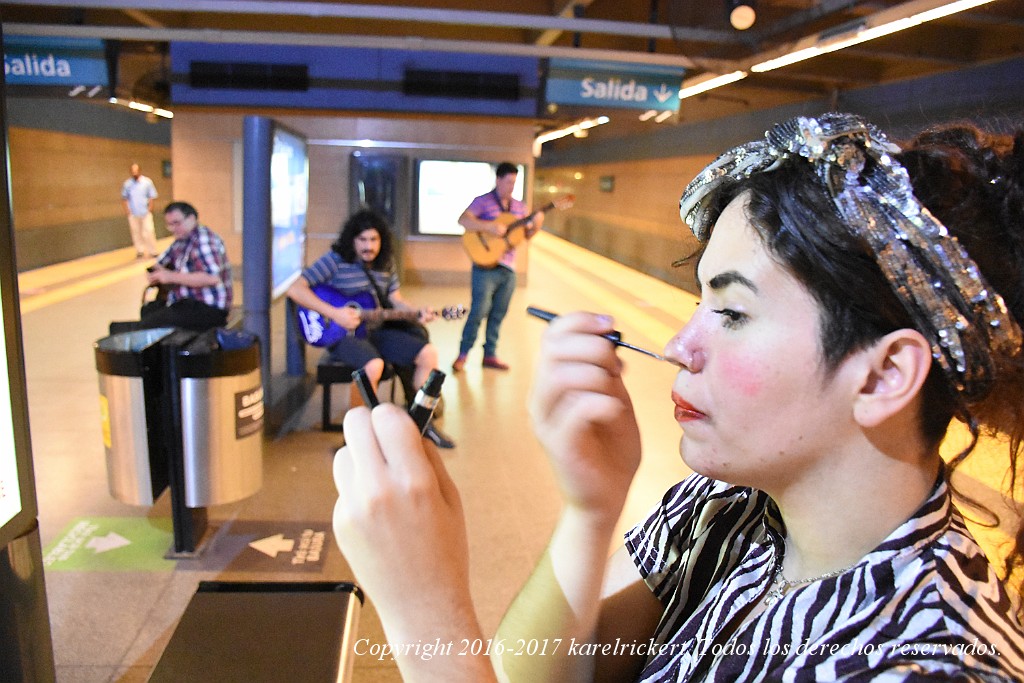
{"x": 221, "y": 393}
{"x": 126, "y": 363}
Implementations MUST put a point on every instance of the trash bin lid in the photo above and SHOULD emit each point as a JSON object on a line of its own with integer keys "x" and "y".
{"x": 121, "y": 353}
{"x": 220, "y": 353}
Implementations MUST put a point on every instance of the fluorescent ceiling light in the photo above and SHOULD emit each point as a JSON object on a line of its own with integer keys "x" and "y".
{"x": 578, "y": 129}
{"x": 590, "y": 123}
{"x": 787, "y": 59}
{"x": 143, "y": 107}
{"x": 866, "y": 33}
{"x": 703, "y": 84}
{"x": 662, "y": 116}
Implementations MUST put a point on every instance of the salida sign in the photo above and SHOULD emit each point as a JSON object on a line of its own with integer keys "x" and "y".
{"x": 616, "y": 90}
{"x": 30, "y": 60}
{"x": 32, "y": 64}
{"x": 607, "y": 84}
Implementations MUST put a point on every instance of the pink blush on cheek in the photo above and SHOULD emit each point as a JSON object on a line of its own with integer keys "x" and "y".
{"x": 745, "y": 375}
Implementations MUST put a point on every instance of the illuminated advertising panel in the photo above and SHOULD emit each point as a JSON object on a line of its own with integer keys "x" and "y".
{"x": 10, "y": 491}
{"x": 289, "y": 198}
{"x": 444, "y": 189}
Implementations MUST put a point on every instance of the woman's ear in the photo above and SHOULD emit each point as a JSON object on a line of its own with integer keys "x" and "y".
{"x": 896, "y": 368}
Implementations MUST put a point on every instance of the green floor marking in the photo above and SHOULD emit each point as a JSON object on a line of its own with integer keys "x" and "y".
{"x": 112, "y": 544}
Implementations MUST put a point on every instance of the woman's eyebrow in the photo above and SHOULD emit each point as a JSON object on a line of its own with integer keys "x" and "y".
{"x": 731, "y": 277}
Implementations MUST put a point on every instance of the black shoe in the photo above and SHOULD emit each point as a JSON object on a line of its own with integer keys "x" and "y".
{"x": 440, "y": 439}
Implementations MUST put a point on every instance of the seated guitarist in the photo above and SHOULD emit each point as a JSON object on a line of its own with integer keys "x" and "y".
{"x": 492, "y": 288}
{"x": 361, "y": 252}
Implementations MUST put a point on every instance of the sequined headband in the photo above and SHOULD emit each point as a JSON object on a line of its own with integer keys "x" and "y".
{"x": 937, "y": 282}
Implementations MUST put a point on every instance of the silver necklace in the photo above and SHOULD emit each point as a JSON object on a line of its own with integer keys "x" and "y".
{"x": 781, "y": 585}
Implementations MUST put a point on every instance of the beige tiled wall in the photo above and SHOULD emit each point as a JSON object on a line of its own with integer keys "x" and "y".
{"x": 61, "y": 178}
{"x": 637, "y": 222}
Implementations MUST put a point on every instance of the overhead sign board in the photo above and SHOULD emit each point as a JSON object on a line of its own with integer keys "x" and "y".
{"x": 36, "y": 60}
{"x": 356, "y": 78}
{"x": 613, "y": 84}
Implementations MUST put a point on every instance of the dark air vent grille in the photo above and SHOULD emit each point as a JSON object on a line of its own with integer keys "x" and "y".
{"x": 484, "y": 86}
{"x": 249, "y": 76}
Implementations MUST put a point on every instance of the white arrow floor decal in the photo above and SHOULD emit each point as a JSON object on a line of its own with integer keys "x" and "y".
{"x": 272, "y": 545}
{"x": 111, "y": 541}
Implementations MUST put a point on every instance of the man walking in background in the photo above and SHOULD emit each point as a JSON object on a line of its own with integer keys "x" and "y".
{"x": 138, "y": 193}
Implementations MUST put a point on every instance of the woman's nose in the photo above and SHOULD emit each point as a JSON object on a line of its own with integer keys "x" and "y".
{"x": 683, "y": 350}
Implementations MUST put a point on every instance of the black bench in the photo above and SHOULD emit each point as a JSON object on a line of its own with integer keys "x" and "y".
{"x": 330, "y": 372}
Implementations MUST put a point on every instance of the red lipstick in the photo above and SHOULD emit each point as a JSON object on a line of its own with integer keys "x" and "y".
{"x": 685, "y": 412}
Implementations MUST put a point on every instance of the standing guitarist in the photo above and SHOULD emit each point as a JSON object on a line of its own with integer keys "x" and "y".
{"x": 492, "y": 288}
{"x": 360, "y": 262}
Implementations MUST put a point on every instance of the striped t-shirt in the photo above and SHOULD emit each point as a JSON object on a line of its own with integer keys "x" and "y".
{"x": 924, "y": 604}
{"x": 348, "y": 278}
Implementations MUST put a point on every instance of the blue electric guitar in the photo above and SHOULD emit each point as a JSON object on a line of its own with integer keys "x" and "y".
{"x": 319, "y": 331}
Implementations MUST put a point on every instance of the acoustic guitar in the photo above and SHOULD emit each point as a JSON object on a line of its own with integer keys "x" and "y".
{"x": 486, "y": 249}
{"x": 319, "y": 331}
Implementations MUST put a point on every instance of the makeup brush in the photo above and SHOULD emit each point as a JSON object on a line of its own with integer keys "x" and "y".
{"x": 614, "y": 336}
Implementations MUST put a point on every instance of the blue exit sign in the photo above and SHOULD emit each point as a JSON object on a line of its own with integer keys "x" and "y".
{"x": 613, "y": 84}
{"x": 32, "y": 60}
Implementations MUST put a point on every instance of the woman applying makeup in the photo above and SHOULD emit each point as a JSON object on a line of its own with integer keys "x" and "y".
{"x": 840, "y": 331}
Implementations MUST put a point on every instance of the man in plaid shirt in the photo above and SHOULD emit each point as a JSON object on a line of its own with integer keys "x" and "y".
{"x": 194, "y": 273}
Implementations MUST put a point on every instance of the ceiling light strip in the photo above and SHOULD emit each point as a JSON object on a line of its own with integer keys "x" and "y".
{"x": 696, "y": 86}
{"x": 883, "y": 23}
{"x": 574, "y": 129}
{"x": 143, "y": 107}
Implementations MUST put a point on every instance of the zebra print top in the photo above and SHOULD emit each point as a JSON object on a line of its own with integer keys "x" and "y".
{"x": 923, "y": 604}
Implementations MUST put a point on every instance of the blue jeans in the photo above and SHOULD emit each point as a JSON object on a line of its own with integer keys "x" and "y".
{"x": 492, "y": 292}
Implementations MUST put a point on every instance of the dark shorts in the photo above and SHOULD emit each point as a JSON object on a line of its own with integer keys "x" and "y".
{"x": 398, "y": 347}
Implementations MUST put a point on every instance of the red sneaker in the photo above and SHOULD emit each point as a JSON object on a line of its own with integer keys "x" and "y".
{"x": 459, "y": 363}
{"x": 495, "y": 363}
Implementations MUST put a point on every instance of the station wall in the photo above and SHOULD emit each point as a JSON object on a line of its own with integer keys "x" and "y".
{"x": 68, "y": 161}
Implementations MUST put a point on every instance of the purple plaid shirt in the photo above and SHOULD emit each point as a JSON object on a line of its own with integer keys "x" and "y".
{"x": 201, "y": 251}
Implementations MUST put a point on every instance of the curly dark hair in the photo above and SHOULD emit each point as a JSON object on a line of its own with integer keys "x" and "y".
{"x": 358, "y": 223}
